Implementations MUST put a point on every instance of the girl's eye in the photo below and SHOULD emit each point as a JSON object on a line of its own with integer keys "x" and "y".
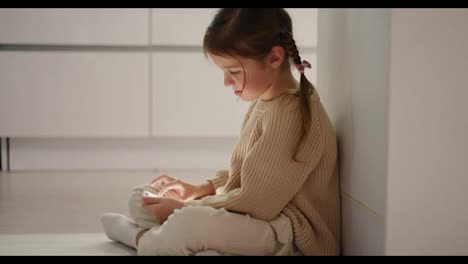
{"x": 234, "y": 72}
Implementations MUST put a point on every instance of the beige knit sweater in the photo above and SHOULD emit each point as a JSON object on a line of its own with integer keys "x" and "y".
{"x": 263, "y": 180}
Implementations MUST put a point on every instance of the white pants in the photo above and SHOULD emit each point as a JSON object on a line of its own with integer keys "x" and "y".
{"x": 194, "y": 229}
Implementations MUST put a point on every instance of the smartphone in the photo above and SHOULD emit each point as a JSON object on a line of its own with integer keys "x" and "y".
{"x": 149, "y": 194}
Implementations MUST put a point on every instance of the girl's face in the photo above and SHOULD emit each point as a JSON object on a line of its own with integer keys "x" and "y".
{"x": 248, "y": 78}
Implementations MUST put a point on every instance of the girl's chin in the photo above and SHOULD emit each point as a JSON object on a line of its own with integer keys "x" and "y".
{"x": 245, "y": 99}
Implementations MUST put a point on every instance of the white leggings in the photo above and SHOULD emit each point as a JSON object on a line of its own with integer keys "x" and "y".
{"x": 194, "y": 229}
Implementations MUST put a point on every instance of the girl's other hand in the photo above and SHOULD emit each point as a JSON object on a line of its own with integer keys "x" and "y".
{"x": 161, "y": 208}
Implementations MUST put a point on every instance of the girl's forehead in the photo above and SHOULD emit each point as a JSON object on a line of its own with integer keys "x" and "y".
{"x": 225, "y": 61}
{"x": 229, "y": 61}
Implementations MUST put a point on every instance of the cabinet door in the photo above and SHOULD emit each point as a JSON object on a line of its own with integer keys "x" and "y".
{"x": 74, "y": 94}
{"x": 80, "y": 26}
{"x": 190, "y": 99}
{"x": 180, "y": 26}
{"x": 304, "y": 26}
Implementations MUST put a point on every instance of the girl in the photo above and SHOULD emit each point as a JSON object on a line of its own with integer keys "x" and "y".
{"x": 281, "y": 194}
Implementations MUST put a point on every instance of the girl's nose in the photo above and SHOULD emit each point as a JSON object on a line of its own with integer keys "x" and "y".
{"x": 228, "y": 81}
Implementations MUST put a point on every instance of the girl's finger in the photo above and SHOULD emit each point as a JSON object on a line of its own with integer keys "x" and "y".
{"x": 175, "y": 185}
{"x": 161, "y": 180}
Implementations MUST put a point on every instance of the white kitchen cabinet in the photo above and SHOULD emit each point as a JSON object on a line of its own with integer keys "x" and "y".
{"x": 180, "y": 26}
{"x": 74, "y": 26}
{"x": 74, "y": 94}
{"x": 304, "y": 26}
{"x": 162, "y": 86}
{"x": 190, "y": 99}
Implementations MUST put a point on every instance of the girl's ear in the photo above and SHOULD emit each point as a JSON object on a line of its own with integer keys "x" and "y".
{"x": 276, "y": 57}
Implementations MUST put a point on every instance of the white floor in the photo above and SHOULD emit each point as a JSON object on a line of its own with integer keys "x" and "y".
{"x": 61, "y": 244}
{"x": 57, "y": 212}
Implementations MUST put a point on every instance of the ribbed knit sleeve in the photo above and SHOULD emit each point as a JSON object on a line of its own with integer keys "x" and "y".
{"x": 222, "y": 176}
{"x": 269, "y": 176}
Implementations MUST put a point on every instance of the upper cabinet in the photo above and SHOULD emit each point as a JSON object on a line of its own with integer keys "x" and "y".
{"x": 304, "y": 26}
{"x": 180, "y": 26}
{"x": 97, "y": 26}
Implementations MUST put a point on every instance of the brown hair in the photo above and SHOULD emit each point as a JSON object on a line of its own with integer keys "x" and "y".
{"x": 252, "y": 33}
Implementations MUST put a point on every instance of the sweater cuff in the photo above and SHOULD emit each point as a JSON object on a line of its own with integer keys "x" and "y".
{"x": 192, "y": 203}
{"x": 220, "y": 179}
{"x": 217, "y": 182}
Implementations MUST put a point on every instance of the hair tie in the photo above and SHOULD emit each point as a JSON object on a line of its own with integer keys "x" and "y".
{"x": 303, "y": 65}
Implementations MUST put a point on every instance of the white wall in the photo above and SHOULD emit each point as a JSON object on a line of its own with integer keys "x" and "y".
{"x": 396, "y": 88}
{"x": 353, "y": 67}
{"x": 428, "y": 149}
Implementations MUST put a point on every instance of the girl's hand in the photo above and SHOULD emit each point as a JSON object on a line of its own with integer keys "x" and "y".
{"x": 186, "y": 191}
{"x": 162, "y": 180}
{"x": 161, "y": 208}
{"x": 177, "y": 189}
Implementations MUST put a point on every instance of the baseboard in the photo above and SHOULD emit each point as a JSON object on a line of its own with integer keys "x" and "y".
{"x": 28, "y": 154}
{"x": 4, "y": 159}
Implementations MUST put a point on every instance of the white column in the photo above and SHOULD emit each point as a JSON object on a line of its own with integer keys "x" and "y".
{"x": 353, "y": 64}
{"x": 427, "y": 209}
{"x": 396, "y": 82}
